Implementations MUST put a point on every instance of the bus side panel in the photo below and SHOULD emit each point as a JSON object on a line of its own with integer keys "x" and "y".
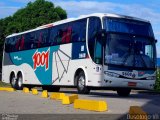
{"x": 35, "y": 64}
{"x": 68, "y": 59}
{"x": 5, "y": 68}
{"x": 63, "y": 62}
{"x": 61, "y": 65}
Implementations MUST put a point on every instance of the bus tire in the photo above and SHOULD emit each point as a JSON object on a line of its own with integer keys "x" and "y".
{"x": 50, "y": 88}
{"x": 81, "y": 84}
{"x": 123, "y": 92}
{"x": 19, "y": 85}
{"x": 13, "y": 80}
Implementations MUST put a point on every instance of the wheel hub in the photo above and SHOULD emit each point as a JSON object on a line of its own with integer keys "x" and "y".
{"x": 81, "y": 82}
{"x": 20, "y": 82}
{"x": 13, "y": 81}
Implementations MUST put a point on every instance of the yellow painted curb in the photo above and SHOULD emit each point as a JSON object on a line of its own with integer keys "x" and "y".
{"x": 69, "y": 99}
{"x": 7, "y": 89}
{"x": 26, "y": 90}
{"x": 57, "y": 96}
{"x": 44, "y": 94}
{"x": 92, "y": 105}
{"x": 34, "y": 91}
{"x": 137, "y": 112}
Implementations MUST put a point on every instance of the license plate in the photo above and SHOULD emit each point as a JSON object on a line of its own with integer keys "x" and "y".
{"x": 132, "y": 84}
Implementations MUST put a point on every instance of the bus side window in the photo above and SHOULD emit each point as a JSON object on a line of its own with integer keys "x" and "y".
{"x": 69, "y": 34}
{"x": 45, "y": 36}
{"x": 93, "y": 44}
{"x": 74, "y": 31}
{"x": 64, "y": 34}
{"x": 17, "y": 43}
{"x": 27, "y": 39}
{"x": 82, "y": 30}
{"x": 78, "y": 30}
{"x": 52, "y": 38}
{"x": 8, "y": 44}
{"x": 98, "y": 52}
{"x": 13, "y": 43}
{"x": 56, "y": 34}
{"x": 22, "y": 43}
{"x": 39, "y": 42}
{"x": 59, "y": 36}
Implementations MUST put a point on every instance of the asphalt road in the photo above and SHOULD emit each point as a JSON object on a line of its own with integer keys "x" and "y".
{"x": 14, "y": 103}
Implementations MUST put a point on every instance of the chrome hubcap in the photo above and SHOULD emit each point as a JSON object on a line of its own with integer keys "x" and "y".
{"x": 20, "y": 82}
{"x": 81, "y": 82}
{"x": 13, "y": 81}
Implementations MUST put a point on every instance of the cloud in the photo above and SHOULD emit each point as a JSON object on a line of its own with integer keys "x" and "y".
{"x": 158, "y": 47}
{"x": 157, "y": 33}
{"x": 22, "y": 1}
{"x": 76, "y": 8}
{"x": 2, "y": 4}
{"x": 7, "y": 11}
{"x": 158, "y": 53}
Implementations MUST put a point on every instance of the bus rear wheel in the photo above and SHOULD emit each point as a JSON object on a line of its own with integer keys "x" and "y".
{"x": 13, "y": 80}
{"x": 81, "y": 84}
{"x": 19, "y": 84}
{"x": 123, "y": 92}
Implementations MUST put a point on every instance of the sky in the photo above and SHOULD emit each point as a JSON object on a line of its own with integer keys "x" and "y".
{"x": 146, "y": 9}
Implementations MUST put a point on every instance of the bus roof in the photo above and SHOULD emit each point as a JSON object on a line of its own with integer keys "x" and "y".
{"x": 80, "y": 17}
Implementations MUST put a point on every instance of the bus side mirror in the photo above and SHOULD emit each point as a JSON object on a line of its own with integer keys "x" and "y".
{"x": 156, "y": 40}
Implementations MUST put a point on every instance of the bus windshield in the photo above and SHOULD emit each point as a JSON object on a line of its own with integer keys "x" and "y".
{"x": 132, "y": 49}
{"x": 128, "y": 26}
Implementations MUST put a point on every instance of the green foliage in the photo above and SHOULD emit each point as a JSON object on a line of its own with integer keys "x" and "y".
{"x": 157, "y": 86}
{"x": 2, "y": 84}
{"x": 33, "y": 15}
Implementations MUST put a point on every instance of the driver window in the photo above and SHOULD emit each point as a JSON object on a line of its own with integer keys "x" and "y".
{"x": 94, "y": 46}
{"x": 98, "y": 53}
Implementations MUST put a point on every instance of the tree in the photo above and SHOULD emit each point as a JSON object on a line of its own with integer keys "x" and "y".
{"x": 33, "y": 15}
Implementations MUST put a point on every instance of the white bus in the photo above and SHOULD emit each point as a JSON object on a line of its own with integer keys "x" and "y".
{"x": 100, "y": 51}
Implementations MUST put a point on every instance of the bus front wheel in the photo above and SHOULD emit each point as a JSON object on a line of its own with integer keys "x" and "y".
{"x": 81, "y": 86}
{"x": 123, "y": 92}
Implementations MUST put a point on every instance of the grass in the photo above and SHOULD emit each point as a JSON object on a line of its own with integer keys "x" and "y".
{"x": 2, "y": 84}
{"x": 157, "y": 86}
